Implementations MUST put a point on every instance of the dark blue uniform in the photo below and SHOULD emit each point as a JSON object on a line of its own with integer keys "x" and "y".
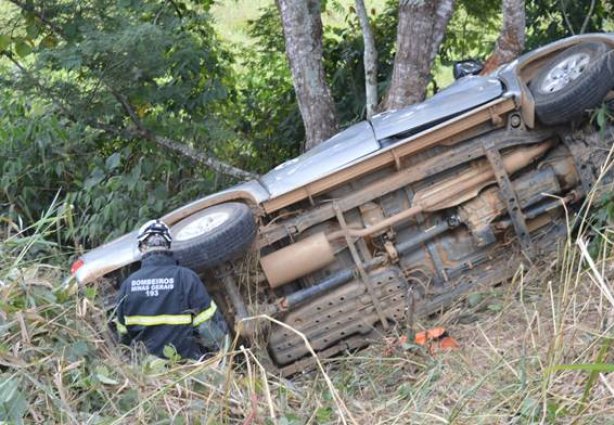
{"x": 163, "y": 304}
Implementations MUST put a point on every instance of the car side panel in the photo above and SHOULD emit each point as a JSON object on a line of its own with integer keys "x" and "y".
{"x": 352, "y": 143}
{"x": 466, "y": 93}
{"x": 123, "y": 251}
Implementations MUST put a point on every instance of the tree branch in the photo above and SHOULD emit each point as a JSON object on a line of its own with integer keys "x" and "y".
{"x": 588, "y": 17}
{"x": 209, "y": 161}
{"x": 40, "y": 15}
{"x": 564, "y": 12}
{"x": 369, "y": 59}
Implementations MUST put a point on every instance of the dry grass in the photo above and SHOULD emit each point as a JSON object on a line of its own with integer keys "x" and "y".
{"x": 59, "y": 366}
{"x": 58, "y": 363}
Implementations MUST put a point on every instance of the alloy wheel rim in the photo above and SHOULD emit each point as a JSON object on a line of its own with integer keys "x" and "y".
{"x": 202, "y": 225}
{"x": 564, "y": 72}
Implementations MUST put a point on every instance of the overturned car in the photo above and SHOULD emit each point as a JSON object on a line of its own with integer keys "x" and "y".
{"x": 400, "y": 215}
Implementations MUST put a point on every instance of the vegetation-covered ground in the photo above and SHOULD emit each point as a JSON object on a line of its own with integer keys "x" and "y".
{"x": 533, "y": 350}
{"x": 536, "y": 349}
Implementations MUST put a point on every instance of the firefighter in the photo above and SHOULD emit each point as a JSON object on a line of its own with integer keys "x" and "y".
{"x": 166, "y": 304}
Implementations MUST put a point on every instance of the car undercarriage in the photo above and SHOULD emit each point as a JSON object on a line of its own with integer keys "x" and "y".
{"x": 403, "y": 243}
{"x": 397, "y": 218}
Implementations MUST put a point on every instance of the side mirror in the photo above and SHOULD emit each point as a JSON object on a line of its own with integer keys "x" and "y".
{"x": 467, "y": 67}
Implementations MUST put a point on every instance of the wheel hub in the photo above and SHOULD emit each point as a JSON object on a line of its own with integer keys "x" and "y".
{"x": 565, "y": 72}
{"x": 202, "y": 225}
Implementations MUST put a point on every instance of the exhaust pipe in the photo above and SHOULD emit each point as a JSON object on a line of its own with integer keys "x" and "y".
{"x": 297, "y": 260}
{"x": 313, "y": 253}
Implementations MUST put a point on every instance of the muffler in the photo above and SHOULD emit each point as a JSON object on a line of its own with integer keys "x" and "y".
{"x": 297, "y": 260}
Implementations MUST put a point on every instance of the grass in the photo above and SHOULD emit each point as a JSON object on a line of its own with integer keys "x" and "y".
{"x": 231, "y": 16}
{"x": 534, "y": 350}
{"x": 59, "y": 364}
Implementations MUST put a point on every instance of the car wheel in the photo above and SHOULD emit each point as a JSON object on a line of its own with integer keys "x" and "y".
{"x": 213, "y": 236}
{"x": 575, "y": 80}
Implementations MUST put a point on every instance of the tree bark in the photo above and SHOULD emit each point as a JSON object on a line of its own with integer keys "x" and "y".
{"x": 420, "y": 31}
{"x": 302, "y": 26}
{"x": 511, "y": 40}
{"x": 369, "y": 59}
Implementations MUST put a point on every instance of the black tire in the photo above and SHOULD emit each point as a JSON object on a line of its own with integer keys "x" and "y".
{"x": 213, "y": 236}
{"x": 559, "y": 100}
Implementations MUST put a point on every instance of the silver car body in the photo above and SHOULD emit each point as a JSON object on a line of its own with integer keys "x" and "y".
{"x": 350, "y": 146}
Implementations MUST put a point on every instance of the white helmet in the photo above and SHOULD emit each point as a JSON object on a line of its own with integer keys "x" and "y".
{"x": 153, "y": 228}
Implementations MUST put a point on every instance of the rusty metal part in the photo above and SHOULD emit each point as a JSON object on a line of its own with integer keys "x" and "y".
{"x": 313, "y": 253}
{"x": 412, "y": 145}
{"x": 509, "y": 197}
{"x": 580, "y": 152}
{"x": 297, "y": 260}
{"x": 382, "y": 225}
{"x": 338, "y": 314}
{"x": 225, "y": 275}
{"x": 515, "y": 120}
{"x": 439, "y": 228}
{"x": 562, "y": 164}
{"x": 463, "y": 264}
{"x": 391, "y": 251}
{"x": 371, "y": 214}
{"x": 455, "y": 156}
{"x": 540, "y": 210}
{"x": 458, "y": 189}
{"x": 362, "y": 272}
{"x": 478, "y": 213}
{"x": 454, "y": 191}
{"x": 344, "y": 318}
{"x": 327, "y": 284}
{"x": 554, "y": 174}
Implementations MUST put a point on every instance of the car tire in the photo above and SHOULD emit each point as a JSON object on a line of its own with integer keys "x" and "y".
{"x": 214, "y": 235}
{"x": 575, "y": 80}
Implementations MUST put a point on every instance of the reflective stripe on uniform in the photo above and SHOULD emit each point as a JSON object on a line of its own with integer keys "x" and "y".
{"x": 163, "y": 319}
{"x": 205, "y": 315}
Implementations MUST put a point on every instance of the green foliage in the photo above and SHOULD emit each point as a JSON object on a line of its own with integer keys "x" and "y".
{"x": 549, "y": 20}
{"x": 472, "y": 31}
{"x": 79, "y": 77}
{"x": 106, "y": 188}
{"x": 65, "y": 112}
{"x": 269, "y": 116}
{"x": 13, "y": 404}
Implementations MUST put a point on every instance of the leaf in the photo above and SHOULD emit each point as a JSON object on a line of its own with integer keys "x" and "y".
{"x": 95, "y": 178}
{"x": 48, "y": 42}
{"x": 171, "y": 353}
{"x": 13, "y": 404}
{"x": 102, "y": 374}
{"x": 587, "y": 367}
{"x": 474, "y": 299}
{"x": 90, "y": 292}
{"x": 33, "y": 30}
{"x": 113, "y": 161}
{"x": 22, "y": 48}
{"x": 324, "y": 414}
{"x": 495, "y": 307}
{"x": 5, "y": 41}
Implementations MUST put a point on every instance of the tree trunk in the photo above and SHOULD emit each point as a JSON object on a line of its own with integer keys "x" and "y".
{"x": 421, "y": 28}
{"x": 369, "y": 59}
{"x": 302, "y": 25}
{"x": 511, "y": 40}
